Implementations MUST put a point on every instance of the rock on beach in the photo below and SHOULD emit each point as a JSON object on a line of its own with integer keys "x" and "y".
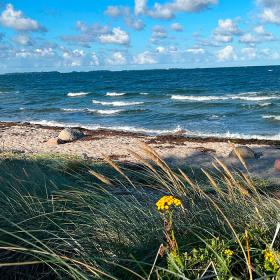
{"x": 70, "y": 134}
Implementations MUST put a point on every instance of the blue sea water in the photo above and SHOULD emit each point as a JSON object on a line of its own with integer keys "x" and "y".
{"x": 227, "y": 102}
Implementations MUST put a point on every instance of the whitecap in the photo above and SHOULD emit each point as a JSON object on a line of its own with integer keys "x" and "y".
{"x": 265, "y": 104}
{"x": 197, "y": 98}
{"x": 101, "y": 112}
{"x": 227, "y": 135}
{"x": 255, "y": 98}
{"x": 227, "y": 97}
{"x": 108, "y": 112}
{"x": 76, "y": 94}
{"x": 117, "y": 103}
{"x": 115, "y": 94}
{"x": 144, "y": 93}
{"x": 271, "y": 117}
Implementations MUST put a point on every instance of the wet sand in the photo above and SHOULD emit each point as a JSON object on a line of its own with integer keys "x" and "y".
{"x": 177, "y": 149}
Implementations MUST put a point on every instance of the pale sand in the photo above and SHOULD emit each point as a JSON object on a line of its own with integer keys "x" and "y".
{"x": 177, "y": 150}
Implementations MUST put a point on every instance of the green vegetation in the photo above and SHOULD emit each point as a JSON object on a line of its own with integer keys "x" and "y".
{"x": 65, "y": 218}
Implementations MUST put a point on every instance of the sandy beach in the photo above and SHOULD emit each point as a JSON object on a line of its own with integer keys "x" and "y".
{"x": 176, "y": 149}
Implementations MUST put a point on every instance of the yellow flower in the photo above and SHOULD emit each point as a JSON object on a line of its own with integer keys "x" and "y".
{"x": 166, "y": 202}
{"x": 228, "y": 252}
{"x": 272, "y": 259}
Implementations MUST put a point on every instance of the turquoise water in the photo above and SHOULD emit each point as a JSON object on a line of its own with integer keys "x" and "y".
{"x": 233, "y": 102}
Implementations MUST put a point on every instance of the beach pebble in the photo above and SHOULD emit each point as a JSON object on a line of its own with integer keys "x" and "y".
{"x": 244, "y": 151}
{"x": 54, "y": 141}
{"x": 277, "y": 165}
{"x": 70, "y": 134}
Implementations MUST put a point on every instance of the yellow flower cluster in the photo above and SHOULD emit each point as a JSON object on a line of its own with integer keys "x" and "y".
{"x": 272, "y": 258}
{"x": 228, "y": 252}
{"x": 166, "y": 202}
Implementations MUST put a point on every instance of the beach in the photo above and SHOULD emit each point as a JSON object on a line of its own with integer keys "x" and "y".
{"x": 178, "y": 150}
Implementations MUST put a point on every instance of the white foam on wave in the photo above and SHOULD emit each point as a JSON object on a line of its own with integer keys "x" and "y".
{"x": 255, "y": 98}
{"x": 101, "y": 112}
{"x": 272, "y": 117}
{"x": 227, "y": 135}
{"x": 228, "y": 97}
{"x": 197, "y": 98}
{"x": 144, "y": 93}
{"x": 117, "y": 103}
{"x": 265, "y": 104}
{"x": 76, "y": 94}
{"x": 115, "y": 94}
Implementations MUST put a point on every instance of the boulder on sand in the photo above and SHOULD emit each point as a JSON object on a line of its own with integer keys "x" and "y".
{"x": 243, "y": 151}
{"x": 70, "y": 134}
{"x": 54, "y": 141}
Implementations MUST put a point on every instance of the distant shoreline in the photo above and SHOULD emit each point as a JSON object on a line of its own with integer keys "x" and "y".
{"x": 163, "y": 138}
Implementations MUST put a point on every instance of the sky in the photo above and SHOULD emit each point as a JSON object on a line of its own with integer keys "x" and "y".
{"x": 88, "y": 35}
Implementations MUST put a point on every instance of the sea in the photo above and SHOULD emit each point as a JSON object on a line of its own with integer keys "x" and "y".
{"x": 241, "y": 102}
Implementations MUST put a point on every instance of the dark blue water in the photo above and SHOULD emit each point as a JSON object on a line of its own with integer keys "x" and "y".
{"x": 238, "y": 102}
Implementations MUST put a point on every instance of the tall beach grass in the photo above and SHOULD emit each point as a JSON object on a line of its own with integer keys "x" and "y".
{"x": 65, "y": 218}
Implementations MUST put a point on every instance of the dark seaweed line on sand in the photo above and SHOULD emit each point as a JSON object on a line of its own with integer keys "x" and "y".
{"x": 159, "y": 139}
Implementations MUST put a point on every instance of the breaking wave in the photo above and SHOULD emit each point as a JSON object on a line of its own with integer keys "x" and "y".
{"x": 76, "y": 94}
{"x": 117, "y": 103}
{"x": 115, "y": 94}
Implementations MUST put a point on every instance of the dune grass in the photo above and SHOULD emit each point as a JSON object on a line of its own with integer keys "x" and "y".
{"x": 65, "y": 218}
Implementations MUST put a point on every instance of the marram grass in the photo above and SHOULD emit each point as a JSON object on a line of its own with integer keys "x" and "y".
{"x": 63, "y": 218}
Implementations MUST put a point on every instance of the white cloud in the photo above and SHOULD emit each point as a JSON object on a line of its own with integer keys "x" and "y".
{"x": 117, "y": 59}
{"x": 192, "y": 5}
{"x": 140, "y": 6}
{"x": 259, "y": 29}
{"x": 159, "y": 32}
{"x": 117, "y": 36}
{"x": 270, "y": 11}
{"x": 44, "y": 52}
{"x": 263, "y": 35}
{"x": 249, "y": 53}
{"x": 160, "y": 49}
{"x": 225, "y": 31}
{"x": 15, "y": 19}
{"x": 248, "y": 38}
{"x": 270, "y": 54}
{"x": 130, "y": 20}
{"x": 196, "y": 51}
{"x": 161, "y": 11}
{"x": 177, "y": 26}
{"x": 23, "y": 39}
{"x": 226, "y": 54}
{"x": 144, "y": 58}
{"x": 94, "y": 59}
{"x": 168, "y": 10}
{"x": 39, "y": 52}
{"x": 222, "y": 38}
{"x": 227, "y": 26}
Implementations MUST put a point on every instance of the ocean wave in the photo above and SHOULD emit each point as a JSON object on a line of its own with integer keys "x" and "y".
{"x": 226, "y": 135}
{"x": 254, "y": 98}
{"x": 197, "y": 98}
{"x": 87, "y": 110}
{"x": 265, "y": 104}
{"x": 271, "y": 117}
{"x": 115, "y": 94}
{"x": 230, "y": 135}
{"x": 76, "y": 94}
{"x": 117, "y": 103}
{"x": 144, "y": 93}
{"x": 229, "y": 97}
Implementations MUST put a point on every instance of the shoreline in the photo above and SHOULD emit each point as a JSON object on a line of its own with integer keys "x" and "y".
{"x": 176, "y": 137}
{"x": 177, "y": 150}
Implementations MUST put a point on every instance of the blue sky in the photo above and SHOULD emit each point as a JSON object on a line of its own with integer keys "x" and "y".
{"x": 90, "y": 35}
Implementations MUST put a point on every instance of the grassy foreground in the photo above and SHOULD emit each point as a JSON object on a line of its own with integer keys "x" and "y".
{"x": 63, "y": 218}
